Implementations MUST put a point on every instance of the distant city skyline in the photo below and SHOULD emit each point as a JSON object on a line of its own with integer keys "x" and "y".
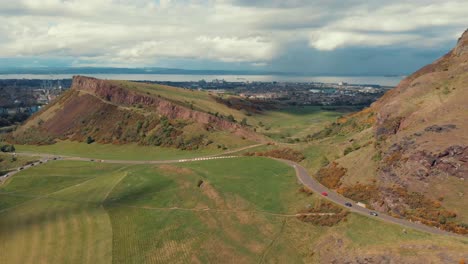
{"x": 299, "y": 36}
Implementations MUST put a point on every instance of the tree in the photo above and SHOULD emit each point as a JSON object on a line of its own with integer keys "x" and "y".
{"x": 89, "y": 140}
{"x": 442, "y": 219}
{"x": 8, "y": 148}
{"x": 231, "y": 118}
{"x": 244, "y": 121}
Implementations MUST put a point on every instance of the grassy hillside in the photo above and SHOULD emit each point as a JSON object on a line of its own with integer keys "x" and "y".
{"x": 237, "y": 210}
{"x": 406, "y": 154}
{"x": 112, "y": 112}
{"x": 295, "y": 122}
{"x": 198, "y": 100}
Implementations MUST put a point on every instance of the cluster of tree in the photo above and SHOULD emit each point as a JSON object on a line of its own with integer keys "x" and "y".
{"x": 8, "y": 120}
{"x": 7, "y": 148}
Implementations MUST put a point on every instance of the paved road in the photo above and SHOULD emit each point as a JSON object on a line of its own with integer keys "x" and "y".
{"x": 301, "y": 174}
{"x": 334, "y": 197}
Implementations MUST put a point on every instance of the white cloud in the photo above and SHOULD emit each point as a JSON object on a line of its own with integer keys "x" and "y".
{"x": 330, "y": 40}
{"x": 141, "y": 32}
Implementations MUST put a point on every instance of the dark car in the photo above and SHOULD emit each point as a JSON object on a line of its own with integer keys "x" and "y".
{"x": 348, "y": 204}
{"x": 373, "y": 213}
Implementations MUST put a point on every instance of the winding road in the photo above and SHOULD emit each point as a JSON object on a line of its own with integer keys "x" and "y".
{"x": 301, "y": 174}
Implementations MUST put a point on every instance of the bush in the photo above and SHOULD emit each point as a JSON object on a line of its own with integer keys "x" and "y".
{"x": 348, "y": 150}
{"x": 89, "y": 140}
{"x": 284, "y": 153}
{"x": 8, "y": 148}
{"x": 324, "y": 162}
{"x": 231, "y": 118}
{"x": 244, "y": 121}
{"x": 331, "y": 175}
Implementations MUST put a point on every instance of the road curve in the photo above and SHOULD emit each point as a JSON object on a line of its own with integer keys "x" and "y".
{"x": 334, "y": 197}
{"x": 301, "y": 174}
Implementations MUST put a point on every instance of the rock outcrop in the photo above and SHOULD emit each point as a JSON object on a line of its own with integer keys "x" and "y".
{"x": 116, "y": 94}
{"x": 113, "y": 112}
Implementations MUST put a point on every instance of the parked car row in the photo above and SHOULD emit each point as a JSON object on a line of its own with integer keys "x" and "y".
{"x": 4, "y": 177}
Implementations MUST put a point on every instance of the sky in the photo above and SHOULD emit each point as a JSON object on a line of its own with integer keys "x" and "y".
{"x": 307, "y": 36}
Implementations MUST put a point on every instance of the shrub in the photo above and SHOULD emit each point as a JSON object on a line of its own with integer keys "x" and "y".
{"x": 360, "y": 192}
{"x": 331, "y": 175}
{"x": 306, "y": 190}
{"x": 244, "y": 121}
{"x": 8, "y": 148}
{"x": 231, "y": 118}
{"x": 347, "y": 150}
{"x": 284, "y": 153}
{"x": 89, "y": 140}
{"x": 324, "y": 162}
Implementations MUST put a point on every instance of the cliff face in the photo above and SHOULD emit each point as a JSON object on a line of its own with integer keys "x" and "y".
{"x": 111, "y": 112}
{"x": 115, "y": 94}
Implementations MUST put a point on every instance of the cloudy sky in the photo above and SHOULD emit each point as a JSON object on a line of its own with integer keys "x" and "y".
{"x": 310, "y": 36}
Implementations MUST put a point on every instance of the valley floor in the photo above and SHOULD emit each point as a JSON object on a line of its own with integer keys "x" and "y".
{"x": 209, "y": 211}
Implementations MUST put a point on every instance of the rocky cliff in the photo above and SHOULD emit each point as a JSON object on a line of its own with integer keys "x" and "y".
{"x": 115, "y": 94}
{"x": 113, "y": 112}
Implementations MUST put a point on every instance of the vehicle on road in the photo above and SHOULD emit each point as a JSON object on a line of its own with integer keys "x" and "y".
{"x": 21, "y": 168}
{"x": 373, "y": 213}
{"x": 324, "y": 193}
{"x": 361, "y": 204}
{"x": 349, "y": 204}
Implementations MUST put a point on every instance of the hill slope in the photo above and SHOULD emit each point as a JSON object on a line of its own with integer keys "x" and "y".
{"x": 408, "y": 153}
{"x": 122, "y": 112}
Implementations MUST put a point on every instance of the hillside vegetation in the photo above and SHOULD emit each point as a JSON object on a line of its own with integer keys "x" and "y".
{"x": 117, "y": 112}
{"x": 407, "y": 154}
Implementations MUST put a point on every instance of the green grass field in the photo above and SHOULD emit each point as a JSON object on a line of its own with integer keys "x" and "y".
{"x": 116, "y": 152}
{"x": 8, "y": 162}
{"x": 83, "y": 212}
{"x": 294, "y": 122}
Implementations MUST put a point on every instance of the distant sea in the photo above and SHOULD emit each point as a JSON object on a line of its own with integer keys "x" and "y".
{"x": 379, "y": 80}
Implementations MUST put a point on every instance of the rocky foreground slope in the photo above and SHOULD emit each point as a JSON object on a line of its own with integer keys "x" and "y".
{"x": 408, "y": 153}
{"x": 119, "y": 112}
